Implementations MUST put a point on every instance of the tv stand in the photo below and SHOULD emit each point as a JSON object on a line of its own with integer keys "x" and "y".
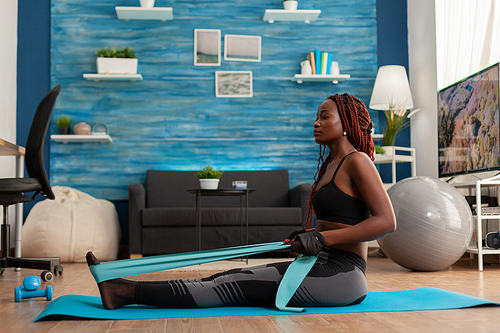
{"x": 478, "y": 248}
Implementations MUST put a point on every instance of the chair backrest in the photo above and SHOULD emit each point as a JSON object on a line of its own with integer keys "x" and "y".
{"x": 36, "y": 141}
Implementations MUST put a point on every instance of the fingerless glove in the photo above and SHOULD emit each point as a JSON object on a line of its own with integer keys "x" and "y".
{"x": 309, "y": 243}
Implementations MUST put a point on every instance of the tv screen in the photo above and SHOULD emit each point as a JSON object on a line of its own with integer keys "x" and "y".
{"x": 468, "y": 124}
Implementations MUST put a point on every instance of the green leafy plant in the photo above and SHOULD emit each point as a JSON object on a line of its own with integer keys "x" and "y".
{"x": 125, "y": 52}
{"x": 63, "y": 122}
{"x": 209, "y": 172}
{"x": 398, "y": 118}
{"x": 379, "y": 150}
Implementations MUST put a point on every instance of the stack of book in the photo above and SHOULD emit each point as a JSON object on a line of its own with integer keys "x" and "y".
{"x": 320, "y": 62}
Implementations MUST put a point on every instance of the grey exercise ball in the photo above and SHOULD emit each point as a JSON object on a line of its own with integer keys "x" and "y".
{"x": 434, "y": 224}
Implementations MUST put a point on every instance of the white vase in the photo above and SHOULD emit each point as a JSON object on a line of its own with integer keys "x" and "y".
{"x": 147, "y": 3}
{"x": 116, "y": 65}
{"x": 334, "y": 68}
{"x": 209, "y": 184}
{"x": 290, "y": 4}
{"x": 306, "y": 68}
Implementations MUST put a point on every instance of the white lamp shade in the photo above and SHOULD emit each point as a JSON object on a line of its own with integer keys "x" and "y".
{"x": 391, "y": 88}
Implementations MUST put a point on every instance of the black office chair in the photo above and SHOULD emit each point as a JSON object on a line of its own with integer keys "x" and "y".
{"x": 12, "y": 190}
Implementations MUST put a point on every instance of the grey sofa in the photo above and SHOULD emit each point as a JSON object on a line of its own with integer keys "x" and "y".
{"x": 162, "y": 214}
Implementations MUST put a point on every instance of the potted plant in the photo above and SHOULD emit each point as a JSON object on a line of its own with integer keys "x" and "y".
{"x": 63, "y": 123}
{"x": 290, "y": 4}
{"x": 209, "y": 178}
{"x": 110, "y": 61}
{"x": 379, "y": 150}
{"x": 398, "y": 118}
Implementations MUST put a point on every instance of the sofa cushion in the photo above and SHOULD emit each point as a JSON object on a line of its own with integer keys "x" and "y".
{"x": 180, "y": 217}
{"x": 183, "y": 239}
{"x": 169, "y": 189}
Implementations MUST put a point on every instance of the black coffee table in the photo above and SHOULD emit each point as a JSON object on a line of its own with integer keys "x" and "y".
{"x": 242, "y": 193}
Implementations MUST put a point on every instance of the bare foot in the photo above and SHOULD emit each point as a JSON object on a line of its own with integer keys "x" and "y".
{"x": 114, "y": 293}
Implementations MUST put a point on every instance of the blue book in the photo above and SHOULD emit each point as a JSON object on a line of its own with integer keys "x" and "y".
{"x": 317, "y": 55}
{"x": 329, "y": 63}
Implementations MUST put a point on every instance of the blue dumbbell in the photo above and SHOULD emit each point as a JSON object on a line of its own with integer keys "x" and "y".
{"x": 30, "y": 289}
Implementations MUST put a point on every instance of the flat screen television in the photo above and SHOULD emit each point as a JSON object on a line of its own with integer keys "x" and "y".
{"x": 468, "y": 124}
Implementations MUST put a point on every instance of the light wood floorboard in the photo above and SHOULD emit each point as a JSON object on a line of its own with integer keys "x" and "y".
{"x": 382, "y": 274}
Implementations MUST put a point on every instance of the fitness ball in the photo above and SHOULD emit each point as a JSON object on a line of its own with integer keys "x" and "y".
{"x": 434, "y": 224}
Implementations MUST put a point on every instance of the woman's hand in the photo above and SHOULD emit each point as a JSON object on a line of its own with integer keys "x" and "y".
{"x": 291, "y": 237}
{"x": 308, "y": 243}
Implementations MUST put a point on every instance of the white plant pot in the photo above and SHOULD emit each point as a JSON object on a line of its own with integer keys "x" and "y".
{"x": 290, "y": 4}
{"x": 209, "y": 184}
{"x": 147, "y": 3}
{"x": 389, "y": 150}
{"x": 116, "y": 65}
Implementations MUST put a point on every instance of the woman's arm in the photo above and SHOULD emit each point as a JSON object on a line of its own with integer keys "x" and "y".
{"x": 365, "y": 178}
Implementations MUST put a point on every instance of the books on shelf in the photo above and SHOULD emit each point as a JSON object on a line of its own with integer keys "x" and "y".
{"x": 311, "y": 57}
{"x": 320, "y": 62}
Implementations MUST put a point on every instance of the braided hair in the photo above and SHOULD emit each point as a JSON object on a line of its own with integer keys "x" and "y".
{"x": 357, "y": 126}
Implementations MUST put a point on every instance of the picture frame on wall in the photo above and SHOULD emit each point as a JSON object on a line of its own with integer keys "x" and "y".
{"x": 242, "y": 48}
{"x": 207, "y": 47}
{"x": 233, "y": 84}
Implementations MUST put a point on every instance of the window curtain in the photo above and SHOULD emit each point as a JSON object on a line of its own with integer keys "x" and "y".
{"x": 467, "y": 38}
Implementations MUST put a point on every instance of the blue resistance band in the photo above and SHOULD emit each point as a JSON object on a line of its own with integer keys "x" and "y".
{"x": 294, "y": 275}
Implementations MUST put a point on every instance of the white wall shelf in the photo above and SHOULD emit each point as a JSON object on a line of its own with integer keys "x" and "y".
{"x": 113, "y": 77}
{"x": 305, "y": 15}
{"x": 377, "y": 137}
{"x": 75, "y": 138}
{"x": 480, "y": 250}
{"x": 299, "y": 78}
{"x": 394, "y": 158}
{"x": 141, "y": 13}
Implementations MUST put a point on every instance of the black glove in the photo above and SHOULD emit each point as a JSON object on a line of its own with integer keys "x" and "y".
{"x": 290, "y": 237}
{"x": 309, "y": 243}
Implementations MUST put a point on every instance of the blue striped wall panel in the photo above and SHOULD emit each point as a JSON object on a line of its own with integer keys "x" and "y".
{"x": 171, "y": 120}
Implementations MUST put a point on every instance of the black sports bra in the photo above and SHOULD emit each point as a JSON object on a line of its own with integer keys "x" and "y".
{"x": 333, "y": 205}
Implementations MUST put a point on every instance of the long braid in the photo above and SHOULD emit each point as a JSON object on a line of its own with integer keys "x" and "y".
{"x": 320, "y": 171}
{"x": 356, "y": 122}
{"x": 357, "y": 125}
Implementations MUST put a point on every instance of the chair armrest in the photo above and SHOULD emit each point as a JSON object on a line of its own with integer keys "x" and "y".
{"x": 136, "y": 203}
{"x": 299, "y": 197}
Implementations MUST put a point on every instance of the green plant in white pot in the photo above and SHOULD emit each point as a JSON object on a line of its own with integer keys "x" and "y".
{"x": 398, "y": 118}
{"x": 209, "y": 177}
{"x": 110, "y": 61}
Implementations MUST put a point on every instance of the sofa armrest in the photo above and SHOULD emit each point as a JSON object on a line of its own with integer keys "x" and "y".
{"x": 299, "y": 197}
{"x": 136, "y": 203}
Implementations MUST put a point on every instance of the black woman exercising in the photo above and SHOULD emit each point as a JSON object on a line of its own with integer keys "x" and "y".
{"x": 351, "y": 208}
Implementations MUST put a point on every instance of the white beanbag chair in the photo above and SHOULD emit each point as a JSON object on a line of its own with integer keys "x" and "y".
{"x": 71, "y": 225}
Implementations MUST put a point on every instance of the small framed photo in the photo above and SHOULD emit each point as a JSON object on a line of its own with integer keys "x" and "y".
{"x": 233, "y": 84}
{"x": 242, "y": 48}
{"x": 207, "y": 47}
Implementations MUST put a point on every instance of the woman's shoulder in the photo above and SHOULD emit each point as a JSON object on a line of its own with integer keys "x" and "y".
{"x": 360, "y": 161}
{"x": 360, "y": 157}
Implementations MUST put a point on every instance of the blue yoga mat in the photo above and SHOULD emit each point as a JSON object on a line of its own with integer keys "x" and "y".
{"x": 405, "y": 300}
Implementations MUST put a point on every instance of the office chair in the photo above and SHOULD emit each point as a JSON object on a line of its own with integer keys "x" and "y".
{"x": 12, "y": 190}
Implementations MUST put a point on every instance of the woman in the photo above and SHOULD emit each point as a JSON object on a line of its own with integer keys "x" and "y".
{"x": 351, "y": 208}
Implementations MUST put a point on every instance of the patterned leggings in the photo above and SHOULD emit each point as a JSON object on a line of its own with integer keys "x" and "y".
{"x": 336, "y": 279}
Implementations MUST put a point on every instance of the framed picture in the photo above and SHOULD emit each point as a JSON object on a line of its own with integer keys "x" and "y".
{"x": 242, "y": 48}
{"x": 207, "y": 47}
{"x": 233, "y": 84}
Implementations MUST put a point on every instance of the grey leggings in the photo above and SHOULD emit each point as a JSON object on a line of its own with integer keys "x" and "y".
{"x": 337, "y": 279}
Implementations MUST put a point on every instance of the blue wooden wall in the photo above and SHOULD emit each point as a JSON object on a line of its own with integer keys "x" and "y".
{"x": 171, "y": 120}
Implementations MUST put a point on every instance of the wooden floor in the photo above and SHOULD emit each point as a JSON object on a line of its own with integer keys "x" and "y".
{"x": 382, "y": 274}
